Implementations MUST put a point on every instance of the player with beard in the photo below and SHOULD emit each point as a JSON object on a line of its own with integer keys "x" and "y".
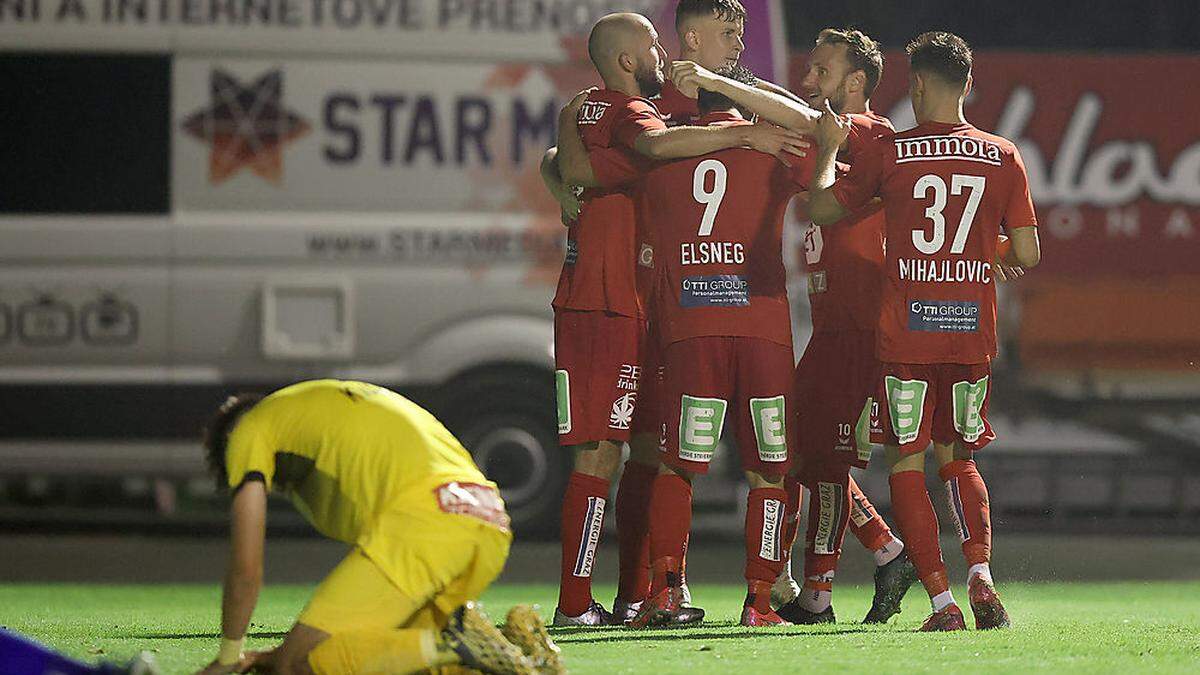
{"x": 709, "y": 33}
{"x": 722, "y": 307}
{"x": 836, "y": 375}
{"x": 835, "y": 378}
{"x": 599, "y": 317}
{"x": 948, "y": 189}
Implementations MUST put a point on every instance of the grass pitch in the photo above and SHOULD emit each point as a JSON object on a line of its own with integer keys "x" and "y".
{"x": 1111, "y": 627}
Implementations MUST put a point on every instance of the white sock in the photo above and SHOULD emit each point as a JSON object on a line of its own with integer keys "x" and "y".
{"x": 785, "y": 588}
{"x": 817, "y": 601}
{"x": 888, "y": 552}
{"x": 981, "y": 570}
{"x": 942, "y": 601}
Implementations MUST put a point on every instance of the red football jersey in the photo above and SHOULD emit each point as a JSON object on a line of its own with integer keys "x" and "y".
{"x": 845, "y": 261}
{"x": 947, "y": 190}
{"x": 674, "y": 107}
{"x": 598, "y": 272}
{"x": 718, "y": 226}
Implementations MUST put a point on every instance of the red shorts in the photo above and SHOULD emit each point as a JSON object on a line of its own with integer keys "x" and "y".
{"x": 943, "y": 402}
{"x": 835, "y": 381}
{"x": 648, "y": 416}
{"x": 597, "y": 372}
{"x": 740, "y": 380}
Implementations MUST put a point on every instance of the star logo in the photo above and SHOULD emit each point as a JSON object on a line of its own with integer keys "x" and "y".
{"x": 245, "y": 126}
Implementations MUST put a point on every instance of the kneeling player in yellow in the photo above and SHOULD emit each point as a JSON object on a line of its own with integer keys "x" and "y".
{"x": 370, "y": 468}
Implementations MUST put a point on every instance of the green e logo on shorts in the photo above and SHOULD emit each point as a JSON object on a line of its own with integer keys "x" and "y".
{"x": 906, "y": 406}
{"x": 562, "y": 389}
{"x": 862, "y": 431}
{"x": 968, "y": 402}
{"x": 768, "y": 417}
{"x": 700, "y": 424}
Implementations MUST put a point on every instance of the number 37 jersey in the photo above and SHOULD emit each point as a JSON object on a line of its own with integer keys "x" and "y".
{"x": 947, "y": 191}
{"x": 716, "y": 222}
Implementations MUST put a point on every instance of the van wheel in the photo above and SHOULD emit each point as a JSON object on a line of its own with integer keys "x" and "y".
{"x": 513, "y": 437}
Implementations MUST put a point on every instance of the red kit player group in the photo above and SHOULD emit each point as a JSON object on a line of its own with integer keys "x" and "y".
{"x": 672, "y": 320}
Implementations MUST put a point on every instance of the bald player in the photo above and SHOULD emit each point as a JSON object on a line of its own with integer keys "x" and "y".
{"x": 599, "y": 318}
{"x": 836, "y": 375}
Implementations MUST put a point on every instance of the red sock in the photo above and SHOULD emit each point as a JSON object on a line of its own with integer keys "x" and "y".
{"x": 828, "y": 511}
{"x": 582, "y": 518}
{"x": 671, "y": 505}
{"x": 865, "y": 522}
{"x": 764, "y": 541}
{"x": 633, "y": 524}
{"x": 969, "y": 503}
{"x": 791, "y": 514}
{"x": 919, "y": 526}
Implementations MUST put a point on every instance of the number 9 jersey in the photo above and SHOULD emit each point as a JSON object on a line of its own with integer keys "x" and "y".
{"x": 947, "y": 191}
{"x": 716, "y": 222}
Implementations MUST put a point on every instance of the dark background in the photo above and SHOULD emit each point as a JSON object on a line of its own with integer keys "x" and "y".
{"x": 1051, "y": 25}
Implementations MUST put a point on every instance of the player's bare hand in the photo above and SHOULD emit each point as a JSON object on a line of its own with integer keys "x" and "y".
{"x": 215, "y": 668}
{"x": 832, "y": 128}
{"x": 777, "y": 141}
{"x": 571, "y": 110}
{"x": 1006, "y": 272}
{"x": 689, "y": 77}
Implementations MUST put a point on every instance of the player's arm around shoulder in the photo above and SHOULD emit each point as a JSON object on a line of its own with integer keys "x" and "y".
{"x": 768, "y": 101}
{"x": 244, "y": 573}
{"x": 693, "y": 141}
{"x": 823, "y": 206}
{"x": 571, "y": 156}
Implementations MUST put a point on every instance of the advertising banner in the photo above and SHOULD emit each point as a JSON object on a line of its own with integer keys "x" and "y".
{"x": 310, "y": 134}
{"x": 543, "y": 31}
{"x": 1111, "y": 147}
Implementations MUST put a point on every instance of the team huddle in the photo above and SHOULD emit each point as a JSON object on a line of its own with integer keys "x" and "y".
{"x": 672, "y": 324}
{"x": 672, "y": 321}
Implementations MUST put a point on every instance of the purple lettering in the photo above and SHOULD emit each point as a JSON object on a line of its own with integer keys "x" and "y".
{"x": 349, "y": 129}
{"x": 474, "y": 118}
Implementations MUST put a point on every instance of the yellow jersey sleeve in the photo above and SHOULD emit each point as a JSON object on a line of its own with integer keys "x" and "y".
{"x": 251, "y": 449}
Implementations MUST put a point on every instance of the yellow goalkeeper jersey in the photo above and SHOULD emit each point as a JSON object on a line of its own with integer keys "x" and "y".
{"x": 362, "y": 463}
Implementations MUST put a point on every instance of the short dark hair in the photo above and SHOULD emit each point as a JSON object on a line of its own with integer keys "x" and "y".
{"x": 216, "y": 433}
{"x": 708, "y": 101}
{"x": 725, "y": 10}
{"x": 862, "y": 52}
{"x": 943, "y": 54}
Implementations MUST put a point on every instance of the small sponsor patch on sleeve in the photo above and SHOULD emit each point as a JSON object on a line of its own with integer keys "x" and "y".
{"x": 716, "y": 290}
{"x": 646, "y": 256}
{"x": 943, "y": 316}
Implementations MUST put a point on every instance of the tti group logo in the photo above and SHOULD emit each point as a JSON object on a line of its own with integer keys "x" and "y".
{"x": 245, "y": 126}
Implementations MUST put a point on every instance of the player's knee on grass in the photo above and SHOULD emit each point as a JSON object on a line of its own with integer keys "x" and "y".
{"x": 599, "y": 459}
{"x": 912, "y": 462}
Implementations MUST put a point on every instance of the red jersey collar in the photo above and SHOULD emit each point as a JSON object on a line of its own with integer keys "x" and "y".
{"x": 615, "y": 96}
